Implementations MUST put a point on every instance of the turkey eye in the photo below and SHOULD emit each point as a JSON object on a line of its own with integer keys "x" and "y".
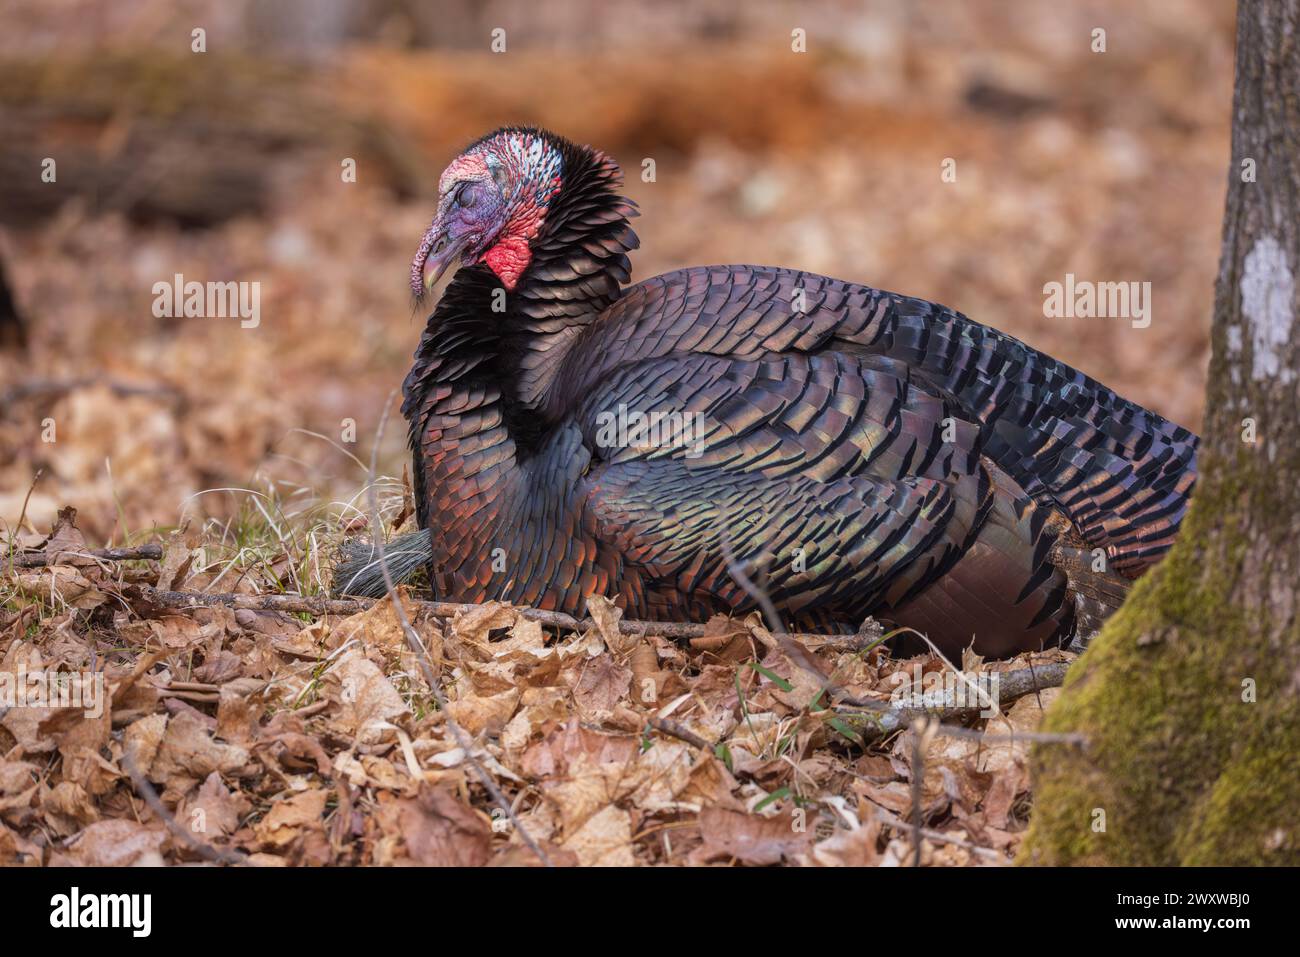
{"x": 466, "y": 197}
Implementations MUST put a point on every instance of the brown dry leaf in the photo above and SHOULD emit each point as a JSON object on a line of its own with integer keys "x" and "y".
{"x": 189, "y": 752}
{"x": 378, "y": 627}
{"x": 602, "y": 683}
{"x": 478, "y": 713}
{"x": 115, "y": 843}
{"x": 750, "y": 838}
{"x": 526, "y": 637}
{"x": 300, "y": 752}
{"x": 434, "y": 829}
{"x": 219, "y": 668}
{"x": 88, "y": 768}
{"x": 288, "y": 819}
{"x": 178, "y": 553}
{"x": 214, "y": 812}
{"x": 176, "y": 631}
{"x": 512, "y": 855}
{"x": 647, "y": 680}
{"x": 80, "y": 738}
{"x": 474, "y": 627}
{"x": 997, "y": 753}
{"x": 893, "y": 796}
{"x": 570, "y": 745}
{"x": 804, "y": 684}
{"x": 724, "y": 639}
{"x": 537, "y": 707}
{"x": 68, "y": 808}
{"x": 855, "y": 847}
{"x": 237, "y": 716}
{"x": 607, "y": 615}
{"x": 15, "y": 850}
{"x": 490, "y": 677}
{"x": 17, "y": 777}
{"x": 949, "y": 770}
{"x": 23, "y": 724}
{"x": 276, "y": 624}
{"x": 66, "y": 545}
{"x": 710, "y": 784}
{"x": 586, "y": 790}
{"x": 142, "y": 739}
{"x": 368, "y": 701}
{"x": 312, "y": 642}
{"x": 581, "y": 772}
{"x": 60, "y": 585}
{"x": 18, "y": 787}
{"x": 605, "y": 840}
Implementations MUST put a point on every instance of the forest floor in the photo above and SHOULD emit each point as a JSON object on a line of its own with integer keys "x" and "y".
{"x": 251, "y": 735}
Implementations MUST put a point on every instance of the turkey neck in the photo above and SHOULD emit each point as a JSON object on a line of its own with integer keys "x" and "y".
{"x": 475, "y": 398}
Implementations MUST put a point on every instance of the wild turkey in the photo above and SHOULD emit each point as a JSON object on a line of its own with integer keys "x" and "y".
{"x": 851, "y": 451}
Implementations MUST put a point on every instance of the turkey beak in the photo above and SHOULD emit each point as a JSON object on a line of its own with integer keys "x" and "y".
{"x": 438, "y": 250}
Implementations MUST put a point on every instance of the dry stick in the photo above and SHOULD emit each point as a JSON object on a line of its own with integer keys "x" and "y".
{"x": 758, "y": 594}
{"x": 887, "y": 718}
{"x": 679, "y": 731}
{"x": 37, "y": 559}
{"x": 54, "y": 387}
{"x": 799, "y": 655}
{"x": 883, "y": 719}
{"x": 422, "y": 654}
{"x": 319, "y": 605}
{"x": 22, "y": 514}
{"x": 151, "y": 798}
{"x": 942, "y": 838}
{"x": 919, "y": 735}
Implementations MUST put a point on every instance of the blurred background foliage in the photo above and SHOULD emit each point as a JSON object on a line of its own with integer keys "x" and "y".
{"x": 225, "y": 166}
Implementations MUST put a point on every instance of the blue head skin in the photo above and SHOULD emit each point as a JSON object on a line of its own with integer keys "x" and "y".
{"x": 492, "y": 200}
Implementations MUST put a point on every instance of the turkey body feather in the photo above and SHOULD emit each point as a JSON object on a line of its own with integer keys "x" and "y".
{"x": 855, "y": 452}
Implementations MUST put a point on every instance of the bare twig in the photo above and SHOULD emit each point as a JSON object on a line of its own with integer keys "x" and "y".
{"x": 942, "y": 838}
{"x": 760, "y": 595}
{"x": 679, "y": 731}
{"x": 43, "y": 388}
{"x": 921, "y": 732}
{"x": 872, "y": 719}
{"x": 422, "y": 656}
{"x": 320, "y": 605}
{"x": 139, "y": 552}
{"x": 884, "y": 718}
{"x": 146, "y": 791}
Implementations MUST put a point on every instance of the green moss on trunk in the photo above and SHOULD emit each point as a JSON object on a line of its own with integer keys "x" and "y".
{"x": 1184, "y": 767}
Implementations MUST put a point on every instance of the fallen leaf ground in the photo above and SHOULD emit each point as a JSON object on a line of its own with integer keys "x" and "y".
{"x": 277, "y": 739}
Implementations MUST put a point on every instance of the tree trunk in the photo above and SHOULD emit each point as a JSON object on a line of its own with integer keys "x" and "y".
{"x": 1190, "y": 697}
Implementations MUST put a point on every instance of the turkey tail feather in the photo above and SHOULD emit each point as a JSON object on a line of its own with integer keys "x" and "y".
{"x": 1098, "y": 593}
{"x": 357, "y": 571}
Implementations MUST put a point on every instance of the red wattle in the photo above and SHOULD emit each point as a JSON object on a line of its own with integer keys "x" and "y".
{"x": 508, "y": 259}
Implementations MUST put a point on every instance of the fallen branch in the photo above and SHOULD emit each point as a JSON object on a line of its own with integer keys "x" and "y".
{"x": 320, "y": 605}
{"x": 53, "y": 388}
{"x": 884, "y": 718}
{"x": 679, "y": 731}
{"x": 136, "y": 553}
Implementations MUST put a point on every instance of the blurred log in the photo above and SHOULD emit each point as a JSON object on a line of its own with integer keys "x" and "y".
{"x": 195, "y": 139}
